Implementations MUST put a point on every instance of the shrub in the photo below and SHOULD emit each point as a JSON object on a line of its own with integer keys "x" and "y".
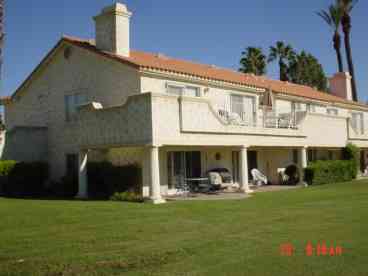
{"x": 293, "y": 175}
{"x": 66, "y": 188}
{"x": 27, "y": 179}
{"x": 351, "y": 152}
{"x": 105, "y": 179}
{"x": 6, "y": 167}
{"x": 323, "y": 172}
{"x": 127, "y": 196}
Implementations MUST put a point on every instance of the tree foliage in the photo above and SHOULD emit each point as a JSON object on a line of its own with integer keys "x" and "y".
{"x": 283, "y": 54}
{"x": 346, "y": 7}
{"x": 253, "y": 61}
{"x": 333, "y": 18}
{"x": 306, "y": 70}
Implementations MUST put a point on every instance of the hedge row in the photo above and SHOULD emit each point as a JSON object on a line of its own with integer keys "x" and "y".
{"x": 324, "y": 172}
{"x": 21, "y": 179}
{"x": 105, "y": 179}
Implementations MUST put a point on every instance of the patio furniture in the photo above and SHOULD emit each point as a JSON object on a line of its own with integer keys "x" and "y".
{"x": 198, "y": 184}
{"x": 259, "y": 178}
{"x": 215, "y": 178}
{"x": 181, "y": 186}
{"x": 226, "y": 177}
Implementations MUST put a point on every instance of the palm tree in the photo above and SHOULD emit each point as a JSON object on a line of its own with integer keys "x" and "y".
{"x": 2, "y": 35}
{"x": 284, "y": 54}
{"x": 253, "y": 61}
{"x": 346, "y": 7}
{"x": 333, "y": 17}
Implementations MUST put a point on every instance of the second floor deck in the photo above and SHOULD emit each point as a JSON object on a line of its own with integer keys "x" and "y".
{"x": 174, "y": 120}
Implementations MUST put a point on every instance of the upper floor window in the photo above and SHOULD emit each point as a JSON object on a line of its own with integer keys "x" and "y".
{"x": 296, "y": 106}
{"x": 357, "y": 122}
{"x": 192, "y": 91}
{"x": 178, "y": 90}
{"x": 175, "y": 90}
{"x": 332, "y": 111}
{"x": 71, "y": 104}
{"x": 311, "y": 108}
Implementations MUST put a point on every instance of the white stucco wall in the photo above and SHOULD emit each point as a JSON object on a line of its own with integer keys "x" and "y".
{"x": 41, "y": 103}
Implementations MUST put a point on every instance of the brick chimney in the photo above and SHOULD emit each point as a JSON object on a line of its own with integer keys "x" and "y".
{"x": 113, "y": 29}
{"x": 340, "y": 85}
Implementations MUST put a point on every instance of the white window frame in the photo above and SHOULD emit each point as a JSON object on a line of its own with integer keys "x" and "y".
{"x": 311, "y": 108}
{"x": 332, "y": 111}
{"x": 356, "y": 126}
{"x": 296, "y": 106}
{"x": 184, "y": 89}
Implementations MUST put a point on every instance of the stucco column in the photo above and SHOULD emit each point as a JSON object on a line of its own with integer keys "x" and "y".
{"x": 156, "y": 197}
{"x": 303, "y": 163}
{"x": 244, "y": 182}
{"x": 82, "y": 175}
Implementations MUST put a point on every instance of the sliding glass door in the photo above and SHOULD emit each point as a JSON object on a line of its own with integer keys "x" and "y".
{"x": 183, "y": 165}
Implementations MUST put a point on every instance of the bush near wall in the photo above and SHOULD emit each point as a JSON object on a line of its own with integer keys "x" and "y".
{"x": 324, "y": 172}
{"x": 6, "y": 167}
{"x": 67, "y": 187}
{"x": 25, "y": 179}
{"x": 352, "y": 153}
{"x": 105, "y": 179}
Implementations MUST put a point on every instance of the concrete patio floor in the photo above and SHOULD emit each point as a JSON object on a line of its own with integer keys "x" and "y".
{"x": 229, "y": 195}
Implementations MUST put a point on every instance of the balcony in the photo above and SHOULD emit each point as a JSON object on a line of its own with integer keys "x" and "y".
{"x": 358, "y": 129}
{"x": 280, "y": 119}
{"x": 200, "y": 115}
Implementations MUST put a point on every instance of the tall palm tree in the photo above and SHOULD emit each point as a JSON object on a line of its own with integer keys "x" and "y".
{"x": 346, "y": 7}
{"x": 333, "y": 17}
{"x": 2, "y": 35}
{"x": 253, "y": 61}
{"x": 284, "y": 54}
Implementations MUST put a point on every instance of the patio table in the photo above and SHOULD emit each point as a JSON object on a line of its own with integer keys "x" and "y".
{"x": 195, "y": 183}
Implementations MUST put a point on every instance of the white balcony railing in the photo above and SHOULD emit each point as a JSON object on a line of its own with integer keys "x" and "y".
{"x": 285, "y": 119}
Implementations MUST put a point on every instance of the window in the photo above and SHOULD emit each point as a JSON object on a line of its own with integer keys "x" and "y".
{"x": 357, "y": 122}
{"x": 192, "y": 91}
{"x": 175, "y": 90}
{"x": 311, "y": 108}
{"x": 332, "y": 111}
{"x": 182, "y": 165}
{"x": 71, "y": 104}
{"x": 178, "y": 90}
{"x": 312, "y": 155}
{"x": 295, "y": 156}
{"x": 235, "y": 166}
{"x": 296, "y": 106}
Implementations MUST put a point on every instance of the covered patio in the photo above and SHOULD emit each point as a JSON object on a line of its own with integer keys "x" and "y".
{"x": 172, "y": 171}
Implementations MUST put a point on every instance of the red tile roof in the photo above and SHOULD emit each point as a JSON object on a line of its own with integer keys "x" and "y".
{"x": 143, "y": 60}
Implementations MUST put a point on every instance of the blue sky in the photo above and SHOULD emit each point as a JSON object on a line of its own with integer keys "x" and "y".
{"x": 211, "y": 32}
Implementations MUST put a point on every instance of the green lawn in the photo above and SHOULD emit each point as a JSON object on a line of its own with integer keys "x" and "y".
{"x": 188, "y": 238}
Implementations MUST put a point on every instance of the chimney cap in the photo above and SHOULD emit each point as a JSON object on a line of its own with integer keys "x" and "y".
{"x": 341, "y": 75}
{"x": 116, "y": 8}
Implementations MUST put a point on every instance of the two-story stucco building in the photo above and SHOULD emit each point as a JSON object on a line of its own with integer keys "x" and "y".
{"x": 100, "y": 100}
